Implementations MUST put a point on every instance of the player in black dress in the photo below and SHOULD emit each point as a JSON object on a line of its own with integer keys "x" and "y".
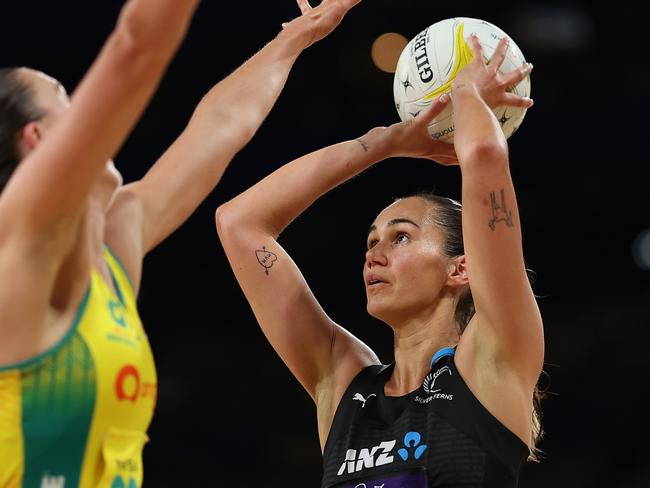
{"x": 456, "y": 408}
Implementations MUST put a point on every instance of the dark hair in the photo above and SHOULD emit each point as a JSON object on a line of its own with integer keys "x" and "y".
{"x": 17, "y": 109}
{"x": 448, "y": 218}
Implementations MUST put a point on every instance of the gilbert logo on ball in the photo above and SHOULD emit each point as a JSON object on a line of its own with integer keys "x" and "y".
{"x": 430, "y": 61}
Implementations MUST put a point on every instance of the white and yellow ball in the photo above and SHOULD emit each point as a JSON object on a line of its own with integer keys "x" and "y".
{"x": 431, "y": 60}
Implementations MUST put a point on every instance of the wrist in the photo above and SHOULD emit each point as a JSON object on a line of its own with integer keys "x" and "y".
{"x": 295, "y": 37}
{"x": 378, "y": 142}
{"x": 461, "y": 89}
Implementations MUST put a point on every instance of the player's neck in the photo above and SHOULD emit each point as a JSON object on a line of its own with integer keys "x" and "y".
{"x": 416, "y": 341}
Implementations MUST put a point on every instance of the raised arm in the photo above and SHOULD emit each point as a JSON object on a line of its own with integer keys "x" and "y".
{"x": 322, "y": 355}
{"x": 48, "y": 192}
{"x": 508, "y": 321}
{"x": 223, "y": 122}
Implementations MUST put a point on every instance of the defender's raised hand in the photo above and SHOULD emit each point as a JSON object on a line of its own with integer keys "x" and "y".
{"x": 315, "y": 23}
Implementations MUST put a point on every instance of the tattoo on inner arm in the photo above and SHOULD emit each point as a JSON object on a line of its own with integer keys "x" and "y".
{"x": 363, "y": 145}
{"x": 500, "y": 212}
{"x": 266, "y": 259}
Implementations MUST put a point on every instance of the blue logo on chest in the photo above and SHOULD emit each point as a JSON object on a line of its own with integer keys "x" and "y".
{"x": 412, "y": 442}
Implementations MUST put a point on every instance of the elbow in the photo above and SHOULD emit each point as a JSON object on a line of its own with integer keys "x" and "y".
{"x": 231, "y": 222}
{"x": 236, "y": 224}
{"x": 484, "y": 155}
{"x": 225, "y": 219}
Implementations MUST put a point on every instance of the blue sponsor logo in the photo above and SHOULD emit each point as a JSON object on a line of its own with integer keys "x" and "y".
{"x": 412, "y": 445}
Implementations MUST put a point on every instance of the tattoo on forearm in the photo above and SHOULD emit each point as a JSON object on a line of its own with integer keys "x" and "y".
{"x": 363, "y": 145}
{"x": 500, "y": 212}
{"x": 266, "y": 258}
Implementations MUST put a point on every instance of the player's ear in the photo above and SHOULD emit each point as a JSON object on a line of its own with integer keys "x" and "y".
{"x": 30, "y": 137}
{"x": 457, "y": 272}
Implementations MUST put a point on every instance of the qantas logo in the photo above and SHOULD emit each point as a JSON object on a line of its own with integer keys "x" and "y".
{"x": 129, "y": 386}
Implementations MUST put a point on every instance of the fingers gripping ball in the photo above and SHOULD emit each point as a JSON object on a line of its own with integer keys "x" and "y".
{"x": 431, "y": 60}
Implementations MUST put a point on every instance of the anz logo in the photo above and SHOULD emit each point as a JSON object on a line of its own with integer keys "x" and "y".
{"x": 380, "y": 455}
{"x": 365, "y": 458}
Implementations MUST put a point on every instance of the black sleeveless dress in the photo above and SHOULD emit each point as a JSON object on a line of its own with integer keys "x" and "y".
{"x": 437, "y": 436}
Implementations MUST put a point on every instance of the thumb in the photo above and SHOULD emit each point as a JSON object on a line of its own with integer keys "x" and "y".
{"x": 437, "y": 106}
{"x": 304, "y": 6}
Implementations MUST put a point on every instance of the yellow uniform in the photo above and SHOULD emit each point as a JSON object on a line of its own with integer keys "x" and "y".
{"x": 77, "y": 415}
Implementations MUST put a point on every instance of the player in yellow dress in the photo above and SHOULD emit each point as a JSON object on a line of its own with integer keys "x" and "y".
{"x": 77, "y": 377}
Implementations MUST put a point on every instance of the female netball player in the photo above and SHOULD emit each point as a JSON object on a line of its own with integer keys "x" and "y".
{"x": 455, "y": 408}
{"x": 77, "y": 377}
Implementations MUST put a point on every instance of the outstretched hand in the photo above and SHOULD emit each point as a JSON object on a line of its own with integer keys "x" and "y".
{"x": 491, "y": 84}
{"x": 318, "y": 22}
{"x": 411, "y": 138}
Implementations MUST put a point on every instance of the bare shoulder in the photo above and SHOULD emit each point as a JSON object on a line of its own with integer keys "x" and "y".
{"x": 350, "y": 356}
{"x": 124, "y": 232}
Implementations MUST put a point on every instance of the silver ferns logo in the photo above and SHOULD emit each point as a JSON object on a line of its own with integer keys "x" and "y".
{"x": 429, "y": 387}
{"x": 430, "y": 380}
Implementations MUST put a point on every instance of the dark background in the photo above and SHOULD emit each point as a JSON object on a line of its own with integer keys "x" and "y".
{"x": 229, "y": 412}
